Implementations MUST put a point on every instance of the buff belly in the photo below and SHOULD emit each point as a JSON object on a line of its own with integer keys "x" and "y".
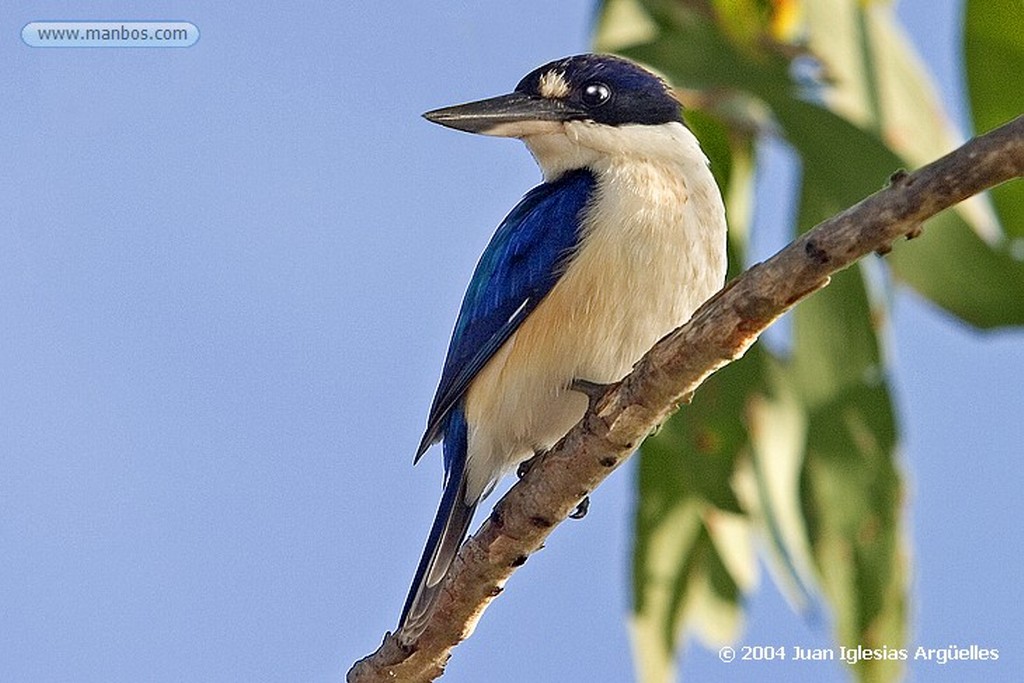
{"x": 643, "y": 266}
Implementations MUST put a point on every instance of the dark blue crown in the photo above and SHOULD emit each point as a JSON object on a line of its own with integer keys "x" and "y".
{"x": 611, "y": 90}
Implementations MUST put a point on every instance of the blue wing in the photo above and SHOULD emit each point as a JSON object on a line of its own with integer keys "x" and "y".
{"x": 520, "y": 265}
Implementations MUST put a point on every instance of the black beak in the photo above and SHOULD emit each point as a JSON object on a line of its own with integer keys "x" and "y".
{"x": 506, "y": 115}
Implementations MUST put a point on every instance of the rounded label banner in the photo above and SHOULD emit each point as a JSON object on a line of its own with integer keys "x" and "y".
{"x": 110, "y": 34}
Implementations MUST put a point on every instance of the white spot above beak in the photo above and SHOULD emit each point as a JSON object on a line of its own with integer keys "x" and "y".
{"x": 553, "y": 85}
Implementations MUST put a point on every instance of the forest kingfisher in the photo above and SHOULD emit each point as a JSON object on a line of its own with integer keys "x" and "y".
{"x": 617, "y": 247}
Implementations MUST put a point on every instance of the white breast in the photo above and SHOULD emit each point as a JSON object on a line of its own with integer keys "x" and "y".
{"x": 652, "y": 250}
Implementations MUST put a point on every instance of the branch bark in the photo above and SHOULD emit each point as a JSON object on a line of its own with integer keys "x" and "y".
{"x": 720, "y": 331}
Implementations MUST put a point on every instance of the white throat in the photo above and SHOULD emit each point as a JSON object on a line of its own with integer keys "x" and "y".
{"x": 584, "y": 144}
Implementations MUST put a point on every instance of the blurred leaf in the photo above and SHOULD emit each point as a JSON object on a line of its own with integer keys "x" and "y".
{"x": 770, "y": 490}
{"x": 850, "y": 493}
{"x": 693, "y": 550}
{"x": 851, "y": 483}
{"x": 687, "y": 44}
{"x": 876, "y": 79}
{"x": 953, "y": 267}
{"x": 878, "y": 82}
{"x": 994, "y": 59}
{"x": 802, "y": 451}
{"x": 743, "y": 21}
{"x": 664, "y": 555}
{"x": 622, "y": 23}
{"x": 687, "y": 578}
{"x": 834, "y": 347}
{"x": 693, "y": 53}
{"x": 852, "y": 505}
{"x": 949, "y": 264}
{"x": 850, "y": 478}
{"x": 993, "y": 52}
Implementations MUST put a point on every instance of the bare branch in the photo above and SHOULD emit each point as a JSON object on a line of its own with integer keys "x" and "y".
{"x": 719, "y": 332}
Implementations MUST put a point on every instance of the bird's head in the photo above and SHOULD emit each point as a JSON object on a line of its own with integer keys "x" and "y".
{"x": 573, "y": 110}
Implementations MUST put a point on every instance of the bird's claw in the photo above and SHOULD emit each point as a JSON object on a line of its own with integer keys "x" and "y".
{"x": 527, "y": 464}
{"x": 580, "y": 511}
{"x": 594, "y": 391}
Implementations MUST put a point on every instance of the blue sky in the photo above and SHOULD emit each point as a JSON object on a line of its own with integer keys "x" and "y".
{"x": 227, "y": 281}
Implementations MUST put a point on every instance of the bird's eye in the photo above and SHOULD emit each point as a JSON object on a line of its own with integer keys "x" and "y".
{"x": 596, "y": 94}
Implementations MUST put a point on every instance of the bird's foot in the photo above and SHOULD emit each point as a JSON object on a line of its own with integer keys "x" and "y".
{"x": 580, "y": 511}
{"x": 594, "y": 391}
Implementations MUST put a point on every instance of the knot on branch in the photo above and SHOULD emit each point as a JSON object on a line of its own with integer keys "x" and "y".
{"x": 816, "y": 253}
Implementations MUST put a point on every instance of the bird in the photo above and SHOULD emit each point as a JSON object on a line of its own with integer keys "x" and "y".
{"x": 624, "y": 238}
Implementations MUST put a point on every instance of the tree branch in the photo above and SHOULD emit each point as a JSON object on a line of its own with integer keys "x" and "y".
{"x": 720, "y": 331}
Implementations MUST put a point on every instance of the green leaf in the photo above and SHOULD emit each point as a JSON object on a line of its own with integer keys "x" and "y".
{"x": 878, "y": 82}
{"x": 834, "y": 345}
{"x": 988, "y": 289}
{"x": 949, "y": 264}
{"x": 851, "y": 485}
{"x": 685, "y": 580}
{"x": 876, "y": 79}
{"x": 777, "y": 424}
{"x": 993, "y": 52}
{"x": 994, "y": 58}
{"x": 692, "y": 49}
{"x": 806, "y": 448}
{"x": 850, "y": 490}
{"x": 693, "y": 551}
{"x": 952, "y": 266}
{"x": 743, "y": 21}
{"x": 853, "y": 501}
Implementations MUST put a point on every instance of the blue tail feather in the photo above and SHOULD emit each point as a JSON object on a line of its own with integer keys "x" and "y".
{"x": 451, "y": 524}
